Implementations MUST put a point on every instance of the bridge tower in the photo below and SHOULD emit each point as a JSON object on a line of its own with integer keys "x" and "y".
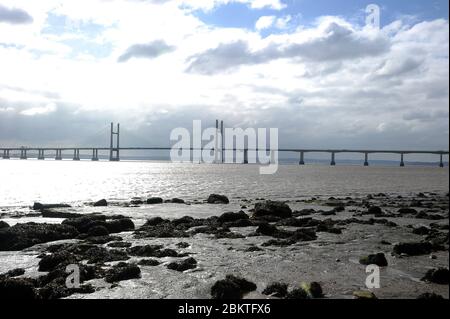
{"x": 114, "y": 151}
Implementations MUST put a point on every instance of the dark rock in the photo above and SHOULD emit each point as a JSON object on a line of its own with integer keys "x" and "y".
{"x": 154, "y": 200}
{"x": 276, "y": 289}
{"x": 148, "y": 262}
{"x": 155, "y": 221}
{"x": 48, "y": 213}
{"x": 303, "y": 212}
{"x": 253, "y": 248}
{"x": 84, "y": 223}
{"x": 438, "y": 276}
{"x": 328, "y": 213}
{"x": 123, "y": 271}
{"x": 189, "y": 263}
{"x": 102, "y": 255}
{"x": 413, "y": 248}
{"x": 98, "y": 231}
{"x": 231, "y": 287}
{"x": 120, "y": 225}
{"x": 39, "y": 206}
{"x": 273, "y": 208}
{"x": 232, "y": 217}
{"x": 430, "y": 296}
{"x": 422, "y": 230}
{"x": 119, "y": 244}
{"x": 22, "y": 236}
{"x": 407, "y": 211}
{"x": 17, "y": 288}
{"x": 175, "y": 201}
{"x": 298, "y": 293}
{"x": 152, "y": 251}
{"x": 100, "y": 240}
{"x": 136, "y": 201}
{"x": 266, "y": 229}
{"x": 374, "y": 210}
{"x": 50, "y": 262}
{"x": 3, "y": 224}
{"x": 364, "y": 294}
{"x": 101, "y": 203}
{"x": 15, "y": 272}
{"x": 182, "y": 245}
{"x": 313, "y": 289}
{"x": 217, "y": 199}
{"x": 375, "y": 259}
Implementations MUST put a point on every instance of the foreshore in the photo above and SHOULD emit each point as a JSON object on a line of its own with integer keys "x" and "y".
{"x": 220, "y": 247}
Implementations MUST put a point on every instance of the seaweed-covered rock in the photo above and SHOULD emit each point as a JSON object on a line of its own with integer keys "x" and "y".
{"x": 231, "y": 287}
{"x": 148, "y": 262}
{"x": 17, "y": 288}
{"x": 22, "y": 236}
{"x": 154, "y": 200}
{"x": 364, "y": 294}
{"x": 152, "y": 251}
{"x": 413, "y": 248}
{"x": 119, "y": 225}
{"x": 122, "y": 271}
{"x": 232, "y": 217}
{"x": 276, "y": 289}
{"x": 438, "y": 276}
{"x": 272, "y": 208}
{"x": 39, "y": 206}
{"x": 218, "y": 199}
{"x": 98, "y": 231}
{"x": 16, "y": 272}
{"x": 297, "y": 293}
{"x": 100, "y": 203}
{"x": 3, "y": 224}
{"x": 189, "y": 263}
{"x": 313, "y": 289}
{"x": 374, "y": 210}
{"x": 374, "y": 259}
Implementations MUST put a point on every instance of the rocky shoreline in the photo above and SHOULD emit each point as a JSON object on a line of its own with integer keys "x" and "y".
{"x": 111, "y": 250}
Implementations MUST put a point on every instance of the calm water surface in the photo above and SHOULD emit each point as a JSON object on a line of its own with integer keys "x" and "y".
{"x": 23, "y": 182}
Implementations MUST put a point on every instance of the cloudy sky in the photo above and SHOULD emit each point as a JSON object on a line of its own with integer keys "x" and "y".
{"x": 311, "y": 68}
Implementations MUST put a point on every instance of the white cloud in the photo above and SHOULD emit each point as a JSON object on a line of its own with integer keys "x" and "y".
{"x": 264, "y": 22}
{"x": 49, "y": 108}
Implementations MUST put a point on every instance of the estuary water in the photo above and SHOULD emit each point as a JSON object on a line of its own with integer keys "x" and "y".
{"x": 24, "y": 182}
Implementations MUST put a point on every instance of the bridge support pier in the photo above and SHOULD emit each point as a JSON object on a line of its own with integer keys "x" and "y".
{"x": 402, "y": 162}
{"x": 23, "y": 154}
{"x": 246, "y": 156}
{"x": 302, "y": 158}
{"x": 95, "y": 154}
{"x": 5, "y": 154}
{"x": 333, "y": 159}
{"x": 58, "y": 155}
{"x": 76, "y": 154}
{"x": 366, "y": 159}
{"x": 114, "y": 151}
{"x": 441, "y": 162}
{"x": 41, "y": 155}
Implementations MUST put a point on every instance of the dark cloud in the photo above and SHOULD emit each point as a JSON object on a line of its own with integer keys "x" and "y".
{"x": 14, "y": 16}
{"x": 150, "y": 50}
{"x": 339, "y": 43}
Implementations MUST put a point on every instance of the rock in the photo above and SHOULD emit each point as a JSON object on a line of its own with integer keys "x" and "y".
{"x": 148, "y": 262}
{"x": 217, "y": 199}
{"x": 3, "y": 224}
{"x": 120, "y": 225}
{"x": 232, "y": 217}
{"x": 364, "y": 294}
{"x": 98, "y": 231}
{"x": 375, "y": 259}
{"x": 122, "y": 271}
{"x": 154, "y": 200}
{"x": 253, "y": 249}
{"x": 22, "y": 236}
{"x": 413, "y": 248}
{"x": 17, "y": 288}
{"x": 276, "y": 289}
{"x": 182, "y": 245}
{"x": 303, "y": 212}
{"x": 15, "y": 272}
{"x": 438, "y": 276}
{"x": 48, "y": 213}
{"x": 231, "y": 287}
{"x": 100, "y": 203}
{"x": 136, "y": 201}
{"x": 84, "y": 223}
{"x": 189, "y": 263}
{"x": 100, "y": 255}
{"x": 266, "y": 229}
{"x": 50, "y": 262}
{"x": 313, "y": 289}
{"x": 374, "y": 210}
{"x": 119, "y": 244}
{"x": 297, "y": 293}
{"x": 155, "y": 221}
{"x": 153, "y": 251}
{"x": 39, "y": 206}
{"x": 175, "y": 201}
{"x": 430, "y": 296}
{"x": 422, "y": 230}
{"x": 272, "y": 208}
{"x": 407, "y": 211}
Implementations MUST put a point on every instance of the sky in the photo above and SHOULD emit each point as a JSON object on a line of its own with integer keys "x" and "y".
{"x": 314, "y": 69}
